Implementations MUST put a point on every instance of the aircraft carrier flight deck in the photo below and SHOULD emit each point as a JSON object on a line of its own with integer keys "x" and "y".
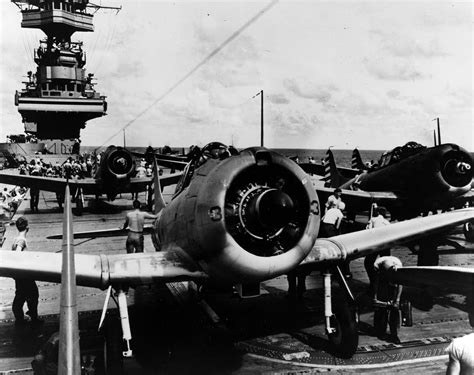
{"x": 224, "y": 333}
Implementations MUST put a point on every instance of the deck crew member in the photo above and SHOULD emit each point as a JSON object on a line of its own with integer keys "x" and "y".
{"x": 461, "y": 355}
{"x": 386, "y": 299}
{"x": 34, "y": 191}
{"x": 329, "y": 227}
{"x": 378, "y": 220}
{"x": 331, "y": 224}
{"x": 4, "y": 209}
{"x": 334, "y": 198}
{"x": 331, "y": 221}
{"x": 26, "y": 289}
{"x": 135, "y": 221}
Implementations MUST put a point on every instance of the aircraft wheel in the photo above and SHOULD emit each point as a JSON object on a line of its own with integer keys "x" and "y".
{"x": 428, "y": 254}
{"x": 345, "y": 339}
{"x": 468, "y": 229}
{"x": 79, "y": 206}
{"x": 113, "y": 360}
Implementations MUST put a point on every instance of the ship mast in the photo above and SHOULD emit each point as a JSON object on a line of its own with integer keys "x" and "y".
{"x": 59, "y": 98}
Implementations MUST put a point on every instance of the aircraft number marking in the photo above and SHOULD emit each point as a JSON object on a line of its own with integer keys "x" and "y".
{"x": 315, "y": 207}
{"x": 215, "y": 213}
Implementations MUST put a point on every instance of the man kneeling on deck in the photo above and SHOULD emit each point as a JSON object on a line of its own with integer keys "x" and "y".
{"x": 386, "y": 299}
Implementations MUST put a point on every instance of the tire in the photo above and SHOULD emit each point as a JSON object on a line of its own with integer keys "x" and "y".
{"x": 113, "y": 360}
{"x": 345, "y": 340}
{"x": 468, "y": 229}
{"x": 79, "y": 206}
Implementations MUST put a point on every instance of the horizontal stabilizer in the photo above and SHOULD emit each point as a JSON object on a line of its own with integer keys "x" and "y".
{"x": 101, "y": 233}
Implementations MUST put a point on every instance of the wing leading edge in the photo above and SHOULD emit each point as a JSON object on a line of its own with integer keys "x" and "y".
{"x": 459, "y": 279}
{"x": 358, "y": 244}
{"x": 100, "y": 271}
{"x": 89, "y": 185}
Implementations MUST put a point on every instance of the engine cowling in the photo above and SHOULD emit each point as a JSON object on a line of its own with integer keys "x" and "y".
{"x": 456, "y": 167}
{"x": 432, "y": 177}
{"x": 247, "y": 218}
{"x": 117, "y": 163}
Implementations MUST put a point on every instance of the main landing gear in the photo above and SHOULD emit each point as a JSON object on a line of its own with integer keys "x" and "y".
{"x": 468, "y": 229}
{"x": 79, "y": 200}
{"x": 118, "y": 354}
{"x": 341, "y": 324}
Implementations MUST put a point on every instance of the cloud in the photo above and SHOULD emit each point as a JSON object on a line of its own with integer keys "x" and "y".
{"x": 278, "y": 99}
{"x": 395, "y": 69}
{"x": 399, "y": 44}
{"x": 321, "y": 93}
{"x": 193, "y": 108}
{"x": 393, "y": 94}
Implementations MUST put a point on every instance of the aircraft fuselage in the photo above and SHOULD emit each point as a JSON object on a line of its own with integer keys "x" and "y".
{"x": 247, "y": 218}
{"x": 430, "y": 178}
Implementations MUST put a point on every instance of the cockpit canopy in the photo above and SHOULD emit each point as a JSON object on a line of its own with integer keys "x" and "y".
{"x": 400, "y": 153}
{"x": 213, "y": 150}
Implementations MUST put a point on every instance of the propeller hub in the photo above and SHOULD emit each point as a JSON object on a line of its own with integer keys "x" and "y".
{"x": 463, "y": 167}
{"x": 274, "y": 208}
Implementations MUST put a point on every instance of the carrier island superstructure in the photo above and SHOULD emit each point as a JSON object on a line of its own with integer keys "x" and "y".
{"x": 59, "y": 98}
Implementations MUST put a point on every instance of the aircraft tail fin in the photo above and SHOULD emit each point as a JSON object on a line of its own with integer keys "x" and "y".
{"x": 155, "y": 197}
{"x": 331, "y": 175}
{"x": 356, "y": 161}
{"x": 69, "y": 354}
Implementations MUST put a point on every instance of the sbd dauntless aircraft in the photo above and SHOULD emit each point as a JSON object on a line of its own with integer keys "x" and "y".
{"x": 408, "y": 180}
{"x": 114, "y": 175}
{"x": 241, "y": 218}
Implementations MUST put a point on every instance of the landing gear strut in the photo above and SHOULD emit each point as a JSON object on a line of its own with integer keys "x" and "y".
{"x": 341, "y": 325}
{"x": 118, "y": 358}
{"x": 79, "y": 201}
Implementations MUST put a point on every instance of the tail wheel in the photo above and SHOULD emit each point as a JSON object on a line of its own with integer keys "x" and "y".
{"x": 345, "y": 339}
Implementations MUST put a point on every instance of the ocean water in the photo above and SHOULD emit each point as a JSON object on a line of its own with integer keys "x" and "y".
{"x": 343, "y": 157}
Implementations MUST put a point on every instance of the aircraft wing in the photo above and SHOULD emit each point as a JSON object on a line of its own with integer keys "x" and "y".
{"x": 463, "y": 199}
{"x": 44, "y": 183}
{"x": 359, "y": 200}
{"x": 140, "y": 184}
{"x": 89, "y": 185}
{"x": 165, "y": 161}
{"x": 459, "y": 279}
{"x": 327, "y": 251}
{"x": 100, "y": 271}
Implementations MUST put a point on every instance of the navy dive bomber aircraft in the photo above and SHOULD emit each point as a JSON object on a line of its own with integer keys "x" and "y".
{"x": 236, "y": 219}
{"x": 115, "y": 174}
{"x": 408, "y": 180}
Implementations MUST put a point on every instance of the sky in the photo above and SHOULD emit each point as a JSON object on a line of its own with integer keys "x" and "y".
{"x": 367, "y": 74}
